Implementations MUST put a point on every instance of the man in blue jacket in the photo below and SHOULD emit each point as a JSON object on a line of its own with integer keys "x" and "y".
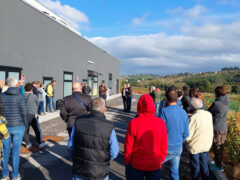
{"x": 14, "y": 109}
{"x": 94, "y": 143}
{"x": 177, "y": 123}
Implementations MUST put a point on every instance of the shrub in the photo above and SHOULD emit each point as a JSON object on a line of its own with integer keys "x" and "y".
{"x": 232, "y": 144}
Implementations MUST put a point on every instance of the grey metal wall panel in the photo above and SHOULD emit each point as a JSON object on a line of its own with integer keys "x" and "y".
{"x": 42, "y": 47}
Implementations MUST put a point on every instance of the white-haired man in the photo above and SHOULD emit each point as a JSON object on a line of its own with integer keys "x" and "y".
{"x": 94, "y": 143}
{"x": 14, "y": 109}
{"x": 200, "y": 139}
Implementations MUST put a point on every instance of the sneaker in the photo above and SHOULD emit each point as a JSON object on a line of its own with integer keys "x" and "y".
{"x": 19, "y": 177}
{"x": 29, "y": 146}
{"x": 220, "y": 169}
{"x": 5, "y": 178}
{"x": 44, "y": 113}
{"x": 213, "y": 167}
{"x": 43, "y": 144}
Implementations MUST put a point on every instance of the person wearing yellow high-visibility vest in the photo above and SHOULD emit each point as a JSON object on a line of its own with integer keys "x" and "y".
{"x": 3, "y": 134}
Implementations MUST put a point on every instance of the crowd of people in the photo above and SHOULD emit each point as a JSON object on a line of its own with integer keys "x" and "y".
{"x": 187, "y": 121}
{"x": 154, "y": 138}
{"x": 21, "y": 105}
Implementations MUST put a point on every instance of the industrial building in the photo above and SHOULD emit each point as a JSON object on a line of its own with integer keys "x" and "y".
{"x": 37, "y": 44}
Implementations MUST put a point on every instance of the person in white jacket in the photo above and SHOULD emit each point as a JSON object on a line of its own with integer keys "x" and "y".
{"x": 200, "y": 139}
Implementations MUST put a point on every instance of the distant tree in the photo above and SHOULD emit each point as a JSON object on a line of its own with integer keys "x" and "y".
{"x": 235, "y": 89}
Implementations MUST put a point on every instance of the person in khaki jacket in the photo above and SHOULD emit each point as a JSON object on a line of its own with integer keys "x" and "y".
{"x": 200, "y": 139}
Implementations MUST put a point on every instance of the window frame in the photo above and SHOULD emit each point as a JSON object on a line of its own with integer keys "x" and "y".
{"x": 68, "y": 73}
{"x": 8, "y": 69}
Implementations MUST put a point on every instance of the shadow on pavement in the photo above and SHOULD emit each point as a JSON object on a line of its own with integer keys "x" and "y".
{"x": 55, "y": 165}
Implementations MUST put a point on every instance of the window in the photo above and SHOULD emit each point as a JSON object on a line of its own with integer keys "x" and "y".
{"x": 110, "y": 81}
{"x": 14, "y": 74}
{"x": 7, "y": 71}
{"x": 2, "y": 75}
{"x": 67, "y": 83}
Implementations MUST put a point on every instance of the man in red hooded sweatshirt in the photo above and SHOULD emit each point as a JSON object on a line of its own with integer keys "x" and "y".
{"x": 145, "y": 146}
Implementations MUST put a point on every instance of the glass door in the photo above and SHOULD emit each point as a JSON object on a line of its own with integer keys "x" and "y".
{"x": 47, "y": 81}
{"x": 95, "y": 86}
{"x": 67, "y": 83}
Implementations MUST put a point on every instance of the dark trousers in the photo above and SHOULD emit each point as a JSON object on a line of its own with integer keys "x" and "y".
{"x": 199, "y": 166}
{"x": 69, "y": 130}
{"x": 129, "y": 103}
{"x": 103, "y": 96}
{"x": 218, "y": 146}
{"x": 124, "y": 103}
{"x": 33, "y": 121}
{"x": 135, "y": 174}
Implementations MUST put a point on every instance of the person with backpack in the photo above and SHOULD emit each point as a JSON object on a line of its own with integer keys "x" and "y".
{"x": 33, "y": 121}
{"x": 75, "y": 105}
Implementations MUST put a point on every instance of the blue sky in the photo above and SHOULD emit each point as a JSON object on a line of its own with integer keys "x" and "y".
{"x": 159, "y": 36}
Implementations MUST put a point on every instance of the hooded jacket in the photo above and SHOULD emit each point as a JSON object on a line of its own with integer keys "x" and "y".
{"x": 145, "y": 146}
{"x": 219, "y": 110}
{"x": 14, "y": 107}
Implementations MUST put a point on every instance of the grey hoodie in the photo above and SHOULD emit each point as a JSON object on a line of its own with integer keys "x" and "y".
{"x": 219, "y": 110}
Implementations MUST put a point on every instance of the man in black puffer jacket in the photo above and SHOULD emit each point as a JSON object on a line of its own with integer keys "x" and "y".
{"x": 14, "y": 109}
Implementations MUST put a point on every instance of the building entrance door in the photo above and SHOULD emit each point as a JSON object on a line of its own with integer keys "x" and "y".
{"x": 93, "y": 84}
{"x": 47, "y": 81}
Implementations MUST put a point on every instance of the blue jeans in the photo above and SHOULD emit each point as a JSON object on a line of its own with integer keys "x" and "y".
{"x": 157, "y": 105}
{"x": 75, "y": 177}
{"x": 199, "y": 166}
{"x": 173, "y": 158}
{"x": 135, "y": 174}
{"x": 51, "y": 103}
{"x": 15, "y": 137}
{"x": 41, "y": 107}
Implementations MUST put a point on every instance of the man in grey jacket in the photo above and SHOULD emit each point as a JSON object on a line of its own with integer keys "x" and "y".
{"x": 14, "y": 109}
{"x": 32, "y": 104}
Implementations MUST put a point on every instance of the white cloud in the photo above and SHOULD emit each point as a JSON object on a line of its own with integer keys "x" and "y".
{"x": 74, "y": 16}
{"x": 196, "y": 11}
{"x": 140, "y": 20}
{"x": 204, "y": 48}
{"x": 193, "y": 12}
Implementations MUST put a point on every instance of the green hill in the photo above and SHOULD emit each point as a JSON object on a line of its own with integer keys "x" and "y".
{"x": 206, "y": 81}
